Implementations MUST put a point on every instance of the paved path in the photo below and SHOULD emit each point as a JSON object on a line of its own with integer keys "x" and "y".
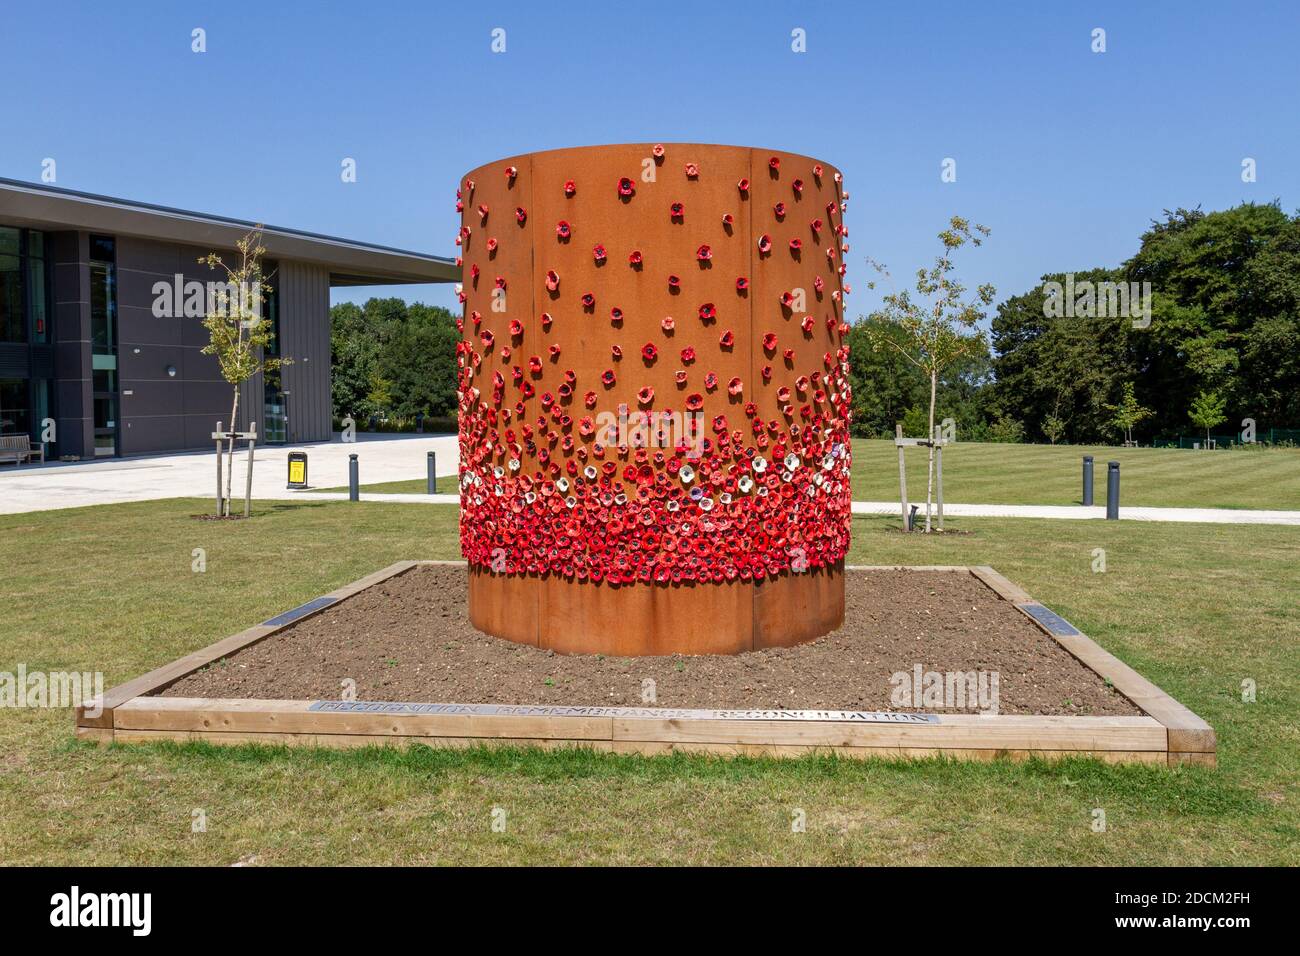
{"x": 194, "y": 474}
{"x": 1076, "y": 512}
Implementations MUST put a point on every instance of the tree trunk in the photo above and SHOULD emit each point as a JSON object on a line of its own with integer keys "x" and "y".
{"x": 230, "y": 453}
{"x": 929, "y": 480}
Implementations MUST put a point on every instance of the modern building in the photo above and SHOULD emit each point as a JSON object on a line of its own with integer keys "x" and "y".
{"x": 83, "y": 346}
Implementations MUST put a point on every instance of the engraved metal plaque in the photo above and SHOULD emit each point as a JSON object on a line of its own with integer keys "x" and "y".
{"x": 1045, "y": 616}
{"x": 646, "y": 713}
{"x": 288, "y": 617}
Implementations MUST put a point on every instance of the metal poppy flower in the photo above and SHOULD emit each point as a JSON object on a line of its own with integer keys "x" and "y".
{"x": 779, "y": 209}
{"x": 774, "y": 162}
{"x": 704, "y": 253}
{"x": 688, "y": 355}
{"x": 742, "y": 284}
{"x": 787, "y": 299}
{"x": 728, "y": 220}
{"x": 634, "y": 257}
{"x": 796, "y": 244}
{"x": 819, "y": 283}
{"x": 764, "y": 243}
{"x": 766, "y": 372}
{"x": 589, "y": 399}
{"x": 807, "y": 324}
{"x": 588, "y": 300}
{"x": 711, "y": 381}
{"x": 674, "y": 282}
{"x": 797, "y": 186}
{"x": 534, "y": 366}
{"x": 769, "y": 341}
{"x": 474, "y": 271}
{"x": 521, "y": 215}
{"x": 649, "y": 352}
{"x": 616, "y": 352}
{"x": 511, "y": 172}
{"x": 692, "y": 170}
{"x": 491, "y": 244}
{"x": 735, "y": 386}
{"x": 817, "y": 171}
{"x": 707, "y": 312}
{"x": 598, "y": 253}
{"x": 626, "y": 187}
{"x": 680, "y": 377}
{"x": 563, "y": 230}
{"x": 552, "y": 280}
{"x": 727, "y": 339}
{"x": 783, "y": 393}
{"x": 694, "y": 402}
{"x": 482, "y": 212}
{"x": 516, "y": 328}
{"x": 657, "y": 150}
{"x": 500, "y": 282}
{"x": 608, "y": 377}
{"x": 676, "y": 210}
{"x": 570, "y": 187}
{"x": 555, "y": 353}
{"x": 667, "y": 323}
{"x": 546, "y": 320}
{"x": 816, "y": 225}
{"x": 646, "y": 394}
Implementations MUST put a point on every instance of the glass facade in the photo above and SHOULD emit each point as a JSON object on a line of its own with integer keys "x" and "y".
{"x": 103, "y": 342}
{"x": 24, "y": 328}
{"x": 275, "y": 402}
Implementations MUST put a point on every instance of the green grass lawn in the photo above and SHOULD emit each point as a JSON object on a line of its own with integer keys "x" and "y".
{"x": 980, "y": 473}
{"x": 1197, "y": 608}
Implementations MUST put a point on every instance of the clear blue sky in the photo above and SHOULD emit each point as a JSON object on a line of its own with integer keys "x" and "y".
{"x": 1065, "y": 153}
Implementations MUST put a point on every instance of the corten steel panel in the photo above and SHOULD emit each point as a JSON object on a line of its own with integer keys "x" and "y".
{"x": 724, "y": 602}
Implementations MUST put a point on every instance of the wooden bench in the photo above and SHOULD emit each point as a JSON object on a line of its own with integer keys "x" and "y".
{"x": 19, "y": 448}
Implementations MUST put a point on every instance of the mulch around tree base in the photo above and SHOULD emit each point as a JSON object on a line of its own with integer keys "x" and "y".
{"x": 409, "y": 639}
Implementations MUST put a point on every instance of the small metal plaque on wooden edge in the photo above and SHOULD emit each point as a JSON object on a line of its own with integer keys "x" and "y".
{"x": 647, "y": 713}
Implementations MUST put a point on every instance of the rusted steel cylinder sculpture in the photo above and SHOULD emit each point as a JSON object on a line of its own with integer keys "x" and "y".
{"x": 654, "y": 399}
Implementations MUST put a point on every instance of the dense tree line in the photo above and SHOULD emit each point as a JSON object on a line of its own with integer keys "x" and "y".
{"x": 393, "y": 361}
{"x": 1223, "y": 332}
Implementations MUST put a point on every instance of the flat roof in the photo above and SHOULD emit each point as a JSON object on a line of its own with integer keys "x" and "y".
{"x": 350, "y": 262}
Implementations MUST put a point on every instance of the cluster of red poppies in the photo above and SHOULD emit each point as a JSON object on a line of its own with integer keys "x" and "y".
{"x": 544, "y": 490}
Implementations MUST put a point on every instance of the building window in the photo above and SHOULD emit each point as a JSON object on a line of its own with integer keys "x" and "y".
{"x": 15, "y": 417}
{"x": 103, "y": 342}
{"x": 24, "y": 287}
{"x": 13, "y": 313}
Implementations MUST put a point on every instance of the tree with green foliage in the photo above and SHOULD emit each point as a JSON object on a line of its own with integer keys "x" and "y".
{"x": 1127, "y": 414}
{"x": 939, "y": 327}
{"x": 1208, "y": 409}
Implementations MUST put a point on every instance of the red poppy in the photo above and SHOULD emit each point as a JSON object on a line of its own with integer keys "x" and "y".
{"x": 783, "y": 393}
{"x": 616, "y": 314}
{"x": 570, "y": 187}
{"x": 473, "y": 271}
{"x": 516, "y": 328}
{"x": 680, "y": 376}
{"x": 552, "y": 280}
{"x": 779, "y": 209}
{"x": 694, "y": 402}
{"x": 500, "y": 282}
{"x": 676, "y": 210}
{"x": 608, "y": 377}
{"x": 598, "y": 253}
{"x": 649, "y": 352}
{"x": 590, "y": 399}
{"x": 555, "y": 353}
{"x": 646, "y": 394}
{"x": 688, "y": 355}
{"x": 521, "y": 215}
{"x": 727, "y": 339}
{"x": 742, "y": 284}
{"x": 625, "y": 187}
{"x": 511, "y": 172}
{"x": 735, "y": 386}
{"x": 487, "y": 338}
{"x": 491, "y": 244}
{"x": 667, "y": 323}
{"x": 728, "y": 220}
{"x": 818, "y": 283}
{"x": 766, "y": 372}
{"x": 797, "y": 186}
{"x": 658, "y": 150}
{"x": 546, "y": 320}
{"x": 816, "y": 225}
{"x": 807, "y": 324}
{"x": 534, "y": 365}
{"x": 482, "y": 212}
{"x": 743, "y": 185}
{"x": 711, "y": 381}
{"x": 704, "y": 253}
{"x": 796, "y": 244}
{"x": 774, "y": 162}
{"x": 563, "y": 230}
{"x": 787, "y": 299}
{"x": 707, "y": 312}
{"x": 769, "y": 342}
{"x": 817, "y": 171}
{"x": 588, "y": 300}
{"x": 634, "y": 257}
{"x": 692, "y": 170}
{"x": 764, "y": 243}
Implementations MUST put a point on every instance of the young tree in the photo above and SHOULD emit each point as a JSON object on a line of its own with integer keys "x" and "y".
{"x": 1208, "y": 409}
{"x": 939, "y": 325}
{"x": 237, "y": 335}
{"x": 1127, "y": 414}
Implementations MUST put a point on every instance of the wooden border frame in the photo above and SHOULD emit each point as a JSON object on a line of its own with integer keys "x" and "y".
{"x": 1167, "y": 733}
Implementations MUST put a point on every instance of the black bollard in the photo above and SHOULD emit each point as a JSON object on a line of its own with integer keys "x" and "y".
{"x": 354, "y": 483}
{"x": 1112, "y": 491}
{"x": 1087, "y": 481}
{"x": 432, "y": 474}
{"x": 911, "y": 518}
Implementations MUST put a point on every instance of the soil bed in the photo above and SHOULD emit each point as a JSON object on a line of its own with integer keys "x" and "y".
{"x": 409, "y": 639}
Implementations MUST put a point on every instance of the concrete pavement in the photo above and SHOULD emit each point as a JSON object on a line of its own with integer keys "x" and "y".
{"x": 55, "y": 485}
